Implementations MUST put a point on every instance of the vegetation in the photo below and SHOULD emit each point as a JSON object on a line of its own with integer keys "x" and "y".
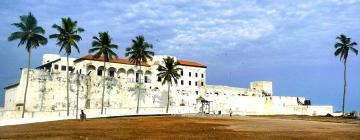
{"x": 67, "y": 37}
{"x": 343, "y": 46}
{"x": 31, "y": 35}
{"x": 139, "y": 53}
{"x": 168, "y": 74}
{"x": 102, "y": 46}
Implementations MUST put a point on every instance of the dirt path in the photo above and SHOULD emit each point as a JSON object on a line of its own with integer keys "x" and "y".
{"x": 161, "y": 128}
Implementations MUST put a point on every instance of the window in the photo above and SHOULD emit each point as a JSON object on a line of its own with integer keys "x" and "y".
{"x": 182, "y": 82}
{"x": 189, "y": 74}
{"x": 189, "y": 83}
{"x": 146, "y": 79}
{"x": 63, "y": 68}
{"x": 56, "y": 66}
{"x": 159, "y": 79}
{"x": 196, "y": 83}
{"x": 182, "y": 73}
{"x": 202, "y": 83}
{"x": 80, "y": 71}
{"x": 111, "y": 73}
{"x": 137, "y": 77}
{"x": 197, "y": 92}
{"x": 196, "y": 74}
{"x": 202, "y": 75}
{"x": 71, "y": 69}
{"x": 99, "y": 72}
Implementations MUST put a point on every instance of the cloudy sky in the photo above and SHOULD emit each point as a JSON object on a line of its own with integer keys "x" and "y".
{"x": 287, "y": 42}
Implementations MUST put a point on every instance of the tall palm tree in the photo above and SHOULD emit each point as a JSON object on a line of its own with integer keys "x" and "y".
{"x": 102, "y": 47}
{"x": 139, "y": 53}
{"x": 169, "y": 73}
{"x": 67, "y": 37}
{"x": 342, "y": 50}
{"x": 31, "y": 35}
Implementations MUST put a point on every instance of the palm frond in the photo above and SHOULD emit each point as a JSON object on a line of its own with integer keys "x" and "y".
{"x": 80, "y": 29}
{"x": 168, "y": 72}
{"x": 76, "y": 47}
{"x": 67, "y": 35}
{"x": 21, "y": 26}
{"x": 39, "y": 30}
{"x": 16, "y": 35}
{"x": 343, "y": 47}
{"x": 31, "y": 21}
{"x": 138, "y": 52}
{"x": 354, "y": 50}
{"x": 29, "y": 33}
{"x": 41, "y": 39}
{"x": 102, "y": 46}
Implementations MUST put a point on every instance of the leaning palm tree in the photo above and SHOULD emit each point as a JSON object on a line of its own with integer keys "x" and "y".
{"x": 31, "y": 35}
{"x": 67, "y": 37}
{"x": 342, "y": 50}
{"x": 139, "y": 53}
{"x": 169, "y": 73}
{"x": 102, "y": 47}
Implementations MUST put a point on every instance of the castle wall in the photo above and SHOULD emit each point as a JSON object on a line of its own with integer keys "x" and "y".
{"x": 47, "y": 92}
{"x": 10, "y": 98}
{"x": 262, "y": 86}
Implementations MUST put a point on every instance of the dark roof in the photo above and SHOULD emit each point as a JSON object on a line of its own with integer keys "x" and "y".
{"x": 189, "y": 63}
{"x": 127, "y": 61}
{"x": 48, "y": 64}
{"x": 200, "y": 98}
{"x": 113, "y": 60}
{"x": 11, "y": 86}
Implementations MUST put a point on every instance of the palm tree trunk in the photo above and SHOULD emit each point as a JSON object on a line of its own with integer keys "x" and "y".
{"x": 168, "y": 99}
{"x": 343, "y": 103}
{"x": 27, "y": 84}
{"x": 138, "y": 97}
{"x": 67, "y": 85}
{"x": 103, "y": 92}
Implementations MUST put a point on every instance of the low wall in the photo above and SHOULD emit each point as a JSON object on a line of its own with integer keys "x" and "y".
{"x": 270, "y": 105}
{"x": 10, "y": 114}
{"x": 8, "y": 117}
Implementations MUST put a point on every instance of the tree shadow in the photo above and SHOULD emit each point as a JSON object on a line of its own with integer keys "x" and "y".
{"x": 160, "y": 97}
{"x": 134, "y": 90}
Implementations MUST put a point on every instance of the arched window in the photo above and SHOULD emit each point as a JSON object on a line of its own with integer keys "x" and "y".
{"x": 111, "y": 72}
{"x": 90, "y": 70}
{"x": 121, "y": 73}
{"x": 100, "y": 71}
{"x": 131, "y": 75}
{"x": 147, "y": 76}
{"x": 138, "y": 74}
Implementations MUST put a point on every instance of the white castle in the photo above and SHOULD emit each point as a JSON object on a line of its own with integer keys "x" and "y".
{"x": 47, "y": 91}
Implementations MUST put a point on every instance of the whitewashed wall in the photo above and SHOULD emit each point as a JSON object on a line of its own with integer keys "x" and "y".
{"x": 47, "y": 93}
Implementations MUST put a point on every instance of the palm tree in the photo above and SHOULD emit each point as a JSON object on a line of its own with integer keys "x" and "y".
{"x": 67, "y": 37}
{"x": 31, "y": 35}
{"x": 138, "y": 53}
{"x": 169, "y": 73}
{"x": 102, "y": 47}
{"x": 342, "y": 50}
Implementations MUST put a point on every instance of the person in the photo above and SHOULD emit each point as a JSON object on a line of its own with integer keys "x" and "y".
{"x": 230, "y": 112}
{"x": 82, "y": 116}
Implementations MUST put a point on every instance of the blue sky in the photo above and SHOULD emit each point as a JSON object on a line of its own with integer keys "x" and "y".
{"x": 287, "y": 42}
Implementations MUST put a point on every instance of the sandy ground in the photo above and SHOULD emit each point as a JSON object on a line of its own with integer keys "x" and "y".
{"x": 174, "y": 128}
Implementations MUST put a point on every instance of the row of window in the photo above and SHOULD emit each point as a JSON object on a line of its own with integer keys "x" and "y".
{"x": 112, "y": 74}
{"x": 196, "y": 74}
{"x": 196, "y": 83}
{"x": 182, "y": 82}
{"x": 63, "y": 67}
